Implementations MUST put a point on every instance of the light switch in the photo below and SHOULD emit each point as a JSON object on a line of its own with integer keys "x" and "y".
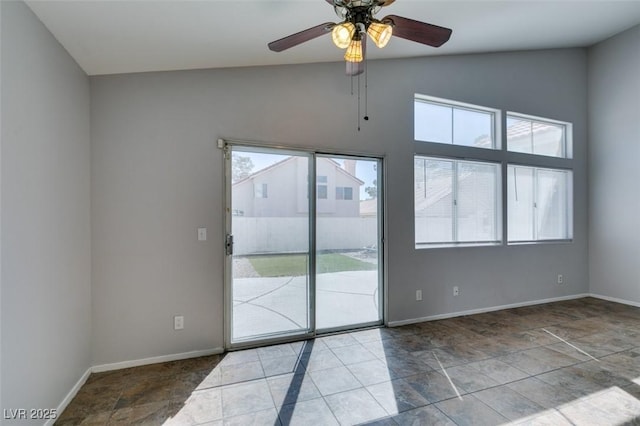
{"x": 178, "y": 322}
{"x": 202, "y": 234}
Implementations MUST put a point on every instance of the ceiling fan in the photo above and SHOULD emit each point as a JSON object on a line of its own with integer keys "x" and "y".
{"x": 357, "y": 21}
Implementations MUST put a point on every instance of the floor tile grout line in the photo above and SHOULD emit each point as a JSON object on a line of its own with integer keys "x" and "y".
{"x": 330, "y": 409}
{"x": 447, "y": 375}
{"x": 429, "y": 403}
{"x": 574, "y": 347}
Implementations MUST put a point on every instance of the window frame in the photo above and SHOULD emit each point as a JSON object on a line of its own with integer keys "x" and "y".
{"x": 567, "y": 134}
{"x": 500, "y": 154}
{"x": 341, "y": 193}
{"x": 261, "y": 191}
{"x": 534, "y": 208}
{"x": 497, "y": 218}
{"x": 322, "y": 182}
{"x": 495, "y": 118}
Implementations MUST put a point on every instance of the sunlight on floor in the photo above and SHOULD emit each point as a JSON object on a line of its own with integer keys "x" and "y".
{"x": 296, "y": 396}
{"x": 612, "y": 406}
{"x": 394, "y": 375}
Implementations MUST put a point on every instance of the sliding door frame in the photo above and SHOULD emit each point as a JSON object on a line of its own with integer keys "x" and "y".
{"x": 380, "y": 241}
{"x": 227, "y": 145}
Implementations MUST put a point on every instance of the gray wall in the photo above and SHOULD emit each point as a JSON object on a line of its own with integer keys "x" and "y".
{"x": 1, "y": 404}
{"x": 46, "y": 289}
{"x": 614, "y": 172}
{"x": 157, "y": 176}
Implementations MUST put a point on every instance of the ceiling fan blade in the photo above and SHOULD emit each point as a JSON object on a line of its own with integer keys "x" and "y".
{"x": 417, "y": 31}
{"x": 301, "y": 37}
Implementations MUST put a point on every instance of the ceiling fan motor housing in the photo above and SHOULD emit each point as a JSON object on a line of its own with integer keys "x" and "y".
{"x": 358, "y": 12}
{"x": 360, "y": 3}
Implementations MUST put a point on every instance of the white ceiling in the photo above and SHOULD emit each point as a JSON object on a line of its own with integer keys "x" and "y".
{"x": 107, "y": 36}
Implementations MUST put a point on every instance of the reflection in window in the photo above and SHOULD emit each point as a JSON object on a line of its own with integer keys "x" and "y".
{"x": 456, "y": 202}
{"x": 537, "y": 136}
{"x": 539, "y": 204}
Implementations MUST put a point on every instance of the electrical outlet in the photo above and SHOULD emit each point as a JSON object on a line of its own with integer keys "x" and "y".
{"x": 178, "y": 322}
{"x": 418, "y": 294}
{"x": 560, "y": 279}
{"x": 456, "y": 291}
{"x": 202, "y": 234}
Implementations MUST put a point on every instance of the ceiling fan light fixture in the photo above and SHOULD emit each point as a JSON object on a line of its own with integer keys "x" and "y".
{"x": 354, "y": 51}
{"x": 380, "y": 33}
{"x": 342, "y": 34}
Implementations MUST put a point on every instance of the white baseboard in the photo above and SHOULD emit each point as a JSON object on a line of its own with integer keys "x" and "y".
{"x": 615, "y": 299}
{"x": 483, "y": 310}
{"x": 72, "y": 393}
{"x": 154, "y": 360}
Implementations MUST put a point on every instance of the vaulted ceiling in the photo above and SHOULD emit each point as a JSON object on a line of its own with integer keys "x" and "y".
{"x": 107, "y": 37}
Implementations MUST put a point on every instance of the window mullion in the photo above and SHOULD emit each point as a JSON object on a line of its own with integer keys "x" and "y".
{"x": 454, "y": 200}
{"x": 452, "y": 127}
{"x": 533, "y": 146}
{"x": 499, "y": 199}
{"x": 535, "y": 205}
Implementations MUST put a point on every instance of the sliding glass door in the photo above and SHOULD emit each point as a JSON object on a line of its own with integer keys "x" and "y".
{"x": 269, "y": 244}
{"x": 303, "y": 244}
{"x": 348, "y": 273}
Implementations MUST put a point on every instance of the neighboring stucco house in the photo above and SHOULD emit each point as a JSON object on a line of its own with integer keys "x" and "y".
{"x": 268, "y": 192}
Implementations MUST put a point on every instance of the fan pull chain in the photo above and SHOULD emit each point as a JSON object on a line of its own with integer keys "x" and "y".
{"x": 366, "y": 91}
{"x": 358, "y": 102}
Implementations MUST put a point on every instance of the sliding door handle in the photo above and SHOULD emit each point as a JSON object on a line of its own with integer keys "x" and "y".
{"x": 228, "y": 245}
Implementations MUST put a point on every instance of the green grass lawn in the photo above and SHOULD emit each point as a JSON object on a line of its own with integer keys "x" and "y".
{"x": 296, "y": 264}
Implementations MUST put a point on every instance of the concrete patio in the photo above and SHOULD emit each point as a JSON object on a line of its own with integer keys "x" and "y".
{"x": 266, "y": 305}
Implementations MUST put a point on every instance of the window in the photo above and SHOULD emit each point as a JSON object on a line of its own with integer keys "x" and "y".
{"x": 449, "y": 122}
{"x": 456, "y": 202}
{"x": 322, "y": 187}
{"x": 538, "y": 136}
{"x": 539, "y": 204}
{"x": 344, "y": 193}
{"x": 460, "y": 202}
{"x": 260, "y": 190}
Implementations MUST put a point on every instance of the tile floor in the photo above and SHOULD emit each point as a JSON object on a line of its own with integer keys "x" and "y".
{"x": 575, "y": 362}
